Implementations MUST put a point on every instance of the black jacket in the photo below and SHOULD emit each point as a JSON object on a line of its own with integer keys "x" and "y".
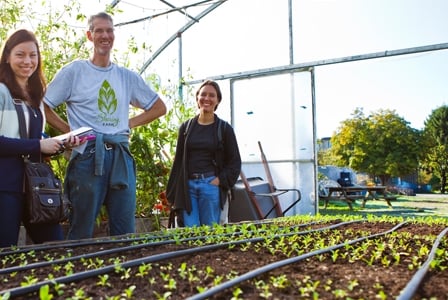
{"x": 228, "y": 164}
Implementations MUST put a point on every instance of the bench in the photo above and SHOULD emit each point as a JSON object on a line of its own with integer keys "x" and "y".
{"x": 351, "y": 193}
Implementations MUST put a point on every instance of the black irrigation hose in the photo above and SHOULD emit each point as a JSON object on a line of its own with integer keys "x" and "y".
{"x": 65, "y": 244}
{"x": 410, "y": 289}
{"x": 118, "y": 250}
{"x": 267, "y": 268}
{"x": 114, "y": 250}
{"x": 115, "y": 239}
{"x": 149, "y": 259}
{"x": 80, "y": 243}
{"x": 82, "y": 256}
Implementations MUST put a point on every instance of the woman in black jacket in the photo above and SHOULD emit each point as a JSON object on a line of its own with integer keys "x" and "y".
{"x": 21, "y": 77}
{"x": 207, "y": 162}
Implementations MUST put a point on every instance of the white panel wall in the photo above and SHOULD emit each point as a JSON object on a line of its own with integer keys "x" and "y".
{"x": 277, "y": 112}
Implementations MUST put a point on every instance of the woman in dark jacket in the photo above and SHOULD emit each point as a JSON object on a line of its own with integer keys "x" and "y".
{"x": 207, "y": 162}
{"x": 21, "y": 77}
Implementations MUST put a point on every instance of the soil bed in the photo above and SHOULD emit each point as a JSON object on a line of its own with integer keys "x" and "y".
{"x": 333, "y": 275}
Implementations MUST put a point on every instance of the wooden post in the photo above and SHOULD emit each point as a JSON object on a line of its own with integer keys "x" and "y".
{"x": 278, "y": 209}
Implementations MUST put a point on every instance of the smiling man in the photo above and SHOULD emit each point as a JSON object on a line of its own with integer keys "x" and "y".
{"x": 98, "y": 94}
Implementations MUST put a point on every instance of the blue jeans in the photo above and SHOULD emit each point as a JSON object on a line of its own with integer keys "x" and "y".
{"x": 11, "y": 211}
{"x": 205, "y": 203}
{"x": 88, "y": 192}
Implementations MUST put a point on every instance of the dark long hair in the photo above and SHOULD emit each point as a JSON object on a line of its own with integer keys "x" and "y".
{"x": 36, "y": 82}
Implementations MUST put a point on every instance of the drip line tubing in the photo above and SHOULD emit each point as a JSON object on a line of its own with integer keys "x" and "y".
{"x": 82, "y": 256}
{"x": 79, "y": 243}
{"x": 267, "y": 268}
{"x": 111, "y": 240}
{"x": 111, "y": 251}
{"x": 410, "y": 289}
{"x": 150, "y": 259}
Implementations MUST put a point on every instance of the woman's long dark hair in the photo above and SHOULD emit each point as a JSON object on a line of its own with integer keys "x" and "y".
{"x": 36, "y": 83}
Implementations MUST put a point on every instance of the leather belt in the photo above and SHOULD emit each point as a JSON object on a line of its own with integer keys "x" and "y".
{"x": 201, "y": 175}
{"x": 107, "y": 147}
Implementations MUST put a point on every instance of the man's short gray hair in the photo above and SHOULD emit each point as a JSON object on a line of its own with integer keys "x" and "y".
{"x": 101, "y": 15}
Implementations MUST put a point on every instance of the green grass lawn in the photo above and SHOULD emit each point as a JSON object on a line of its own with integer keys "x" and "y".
{"x": 421, "y": 205}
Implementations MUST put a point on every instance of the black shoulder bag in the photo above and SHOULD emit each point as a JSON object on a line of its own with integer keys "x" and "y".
{"x": 44, "y": 197}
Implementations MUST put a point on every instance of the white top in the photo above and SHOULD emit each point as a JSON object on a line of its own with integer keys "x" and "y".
{"x": 9, "y": 121}
{"x": 99, "y": 97}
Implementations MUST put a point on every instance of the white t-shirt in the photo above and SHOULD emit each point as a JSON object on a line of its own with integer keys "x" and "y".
{"x": 99, "y": 97}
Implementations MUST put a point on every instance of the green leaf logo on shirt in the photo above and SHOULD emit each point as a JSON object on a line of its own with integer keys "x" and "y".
{"x": 107, "y": 102}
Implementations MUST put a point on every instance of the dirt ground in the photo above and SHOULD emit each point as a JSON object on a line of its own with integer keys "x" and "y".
{"x": 318, "y": 277}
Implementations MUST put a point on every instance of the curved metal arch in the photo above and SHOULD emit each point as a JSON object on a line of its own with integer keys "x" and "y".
{"x": 179, "y": 34}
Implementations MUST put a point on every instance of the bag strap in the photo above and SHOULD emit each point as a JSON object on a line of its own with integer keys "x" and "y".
{"x": 187, "y": 127}
{"x": 22, "y": 124}
{"x": 21, "y": 116}
{"x": 221, "y": 130}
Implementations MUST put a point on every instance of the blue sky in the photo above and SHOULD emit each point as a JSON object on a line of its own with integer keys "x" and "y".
{"x": 413, "y": 85}
{"x": 243, "y": 35}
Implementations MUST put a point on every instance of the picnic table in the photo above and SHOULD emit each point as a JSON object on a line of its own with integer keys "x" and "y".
{"x": 352, "y": 193}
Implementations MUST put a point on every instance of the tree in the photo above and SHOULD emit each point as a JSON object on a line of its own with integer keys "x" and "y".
{"x": 381, "y": 144}
{"x": 10, "y": 13}
{"x": 324, "y": 155}
{"x": 436, "y": 138}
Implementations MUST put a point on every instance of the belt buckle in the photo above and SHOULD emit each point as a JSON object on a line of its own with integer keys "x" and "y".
{"x": 17, "y": 101}
{"x": 108, "y": 146}
{"x": 197, "y": 176}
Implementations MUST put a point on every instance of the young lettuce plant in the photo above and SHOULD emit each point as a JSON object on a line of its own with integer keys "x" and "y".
{"x": 264, "y": 288}
{"x": 143, "y": 270}
{"x": 103, "y": 280}
{"x": 128, "y": 292}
